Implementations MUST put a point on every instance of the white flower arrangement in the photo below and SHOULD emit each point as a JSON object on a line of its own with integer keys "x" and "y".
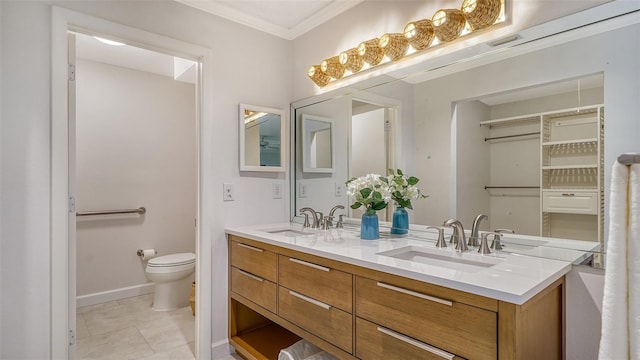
{"x": 370, "y": 191}
{"x": 403, "y": 188}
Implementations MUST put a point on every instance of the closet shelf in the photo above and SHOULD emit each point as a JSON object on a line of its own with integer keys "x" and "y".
{"x": 511, "y": 120}
{"x": 590, "y": 141}
{"x": 567, "y": 167}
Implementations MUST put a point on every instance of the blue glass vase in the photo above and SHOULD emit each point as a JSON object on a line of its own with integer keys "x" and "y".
{"x": 400, "y": 225}
{"x": 369, "y": 229}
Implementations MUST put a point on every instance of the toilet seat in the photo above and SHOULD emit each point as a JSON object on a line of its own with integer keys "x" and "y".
{"x": 172, "y": 260}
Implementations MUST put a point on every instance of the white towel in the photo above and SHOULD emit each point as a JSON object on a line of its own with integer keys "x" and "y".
{"x": 620, "y": 337}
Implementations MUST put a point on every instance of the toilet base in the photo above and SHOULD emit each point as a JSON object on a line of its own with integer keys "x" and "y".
{"x": 172, "y": 295}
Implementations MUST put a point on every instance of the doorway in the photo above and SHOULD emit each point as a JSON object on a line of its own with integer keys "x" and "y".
{"x": 135, "y": 143}
{"x": 371, "y": 141}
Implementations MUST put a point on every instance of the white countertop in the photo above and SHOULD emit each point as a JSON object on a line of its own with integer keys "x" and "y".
{"x": 504, "y": 276}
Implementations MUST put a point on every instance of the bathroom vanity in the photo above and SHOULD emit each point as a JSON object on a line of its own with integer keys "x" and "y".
{"x": 393, "y": 298}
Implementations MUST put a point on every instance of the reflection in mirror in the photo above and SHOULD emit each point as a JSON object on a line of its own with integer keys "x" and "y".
{"x": 448, "y": 140}
{"x": 317, "y": 144}
{"x": 261, "y": 139}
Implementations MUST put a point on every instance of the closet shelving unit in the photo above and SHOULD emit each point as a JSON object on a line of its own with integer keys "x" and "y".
{"x": 572, "y": 176}
{"x": 571, "y": 168}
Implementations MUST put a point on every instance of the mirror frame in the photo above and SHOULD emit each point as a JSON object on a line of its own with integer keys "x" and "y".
{"x": 306, "y": 167}
{"x": 241, "y": 132}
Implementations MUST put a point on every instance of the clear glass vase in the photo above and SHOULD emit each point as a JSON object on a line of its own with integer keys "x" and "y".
{"x": 369, "y": 229}
{"x": 400, "y": 225}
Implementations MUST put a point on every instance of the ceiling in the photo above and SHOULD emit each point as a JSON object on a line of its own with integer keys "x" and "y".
{"x": 287, "y": 19}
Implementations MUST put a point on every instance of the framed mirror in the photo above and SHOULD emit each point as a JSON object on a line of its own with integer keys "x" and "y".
{"x": 262, "y": 139}
{"x": 317, "y": 144}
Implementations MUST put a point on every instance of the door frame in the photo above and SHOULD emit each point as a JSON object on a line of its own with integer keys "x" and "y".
{"x": 62, "y": 249}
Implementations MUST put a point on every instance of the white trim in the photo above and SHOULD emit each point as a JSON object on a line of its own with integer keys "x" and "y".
{"x": 63, "y": 20}
{"x": 219, "y": 8}
{"x": 116, "y": 294}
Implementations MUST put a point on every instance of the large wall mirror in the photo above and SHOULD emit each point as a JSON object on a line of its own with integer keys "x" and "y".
{"x": 317, "y": 144}
{"x": 449, "y": 132}
{"x": 262, "y": 135}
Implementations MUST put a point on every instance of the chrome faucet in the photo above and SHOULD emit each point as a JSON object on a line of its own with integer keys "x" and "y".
{"x": 473, "y": 238}
{"x": 332, "y": 216}
{"x": 314, "y": 216}
{"x": 458, "y": 233}
{"x": 496, "y": 244}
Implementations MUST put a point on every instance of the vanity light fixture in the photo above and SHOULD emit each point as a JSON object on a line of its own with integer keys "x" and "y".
{"x": 481, "y": 13}
{"x": 394, "y": 45}
{"x": 351, "y": 60}
{"x": 419, "y": 33}
{"x": 250, "y": 116}
{"x": 448, "y": 24}
{"x": 370, "y": 51}
{"x": 332, "y": 67}
{"x": 318, "y": 76}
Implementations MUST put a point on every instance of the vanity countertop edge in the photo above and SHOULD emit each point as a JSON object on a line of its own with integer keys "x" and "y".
{"x": 515, "y": 280}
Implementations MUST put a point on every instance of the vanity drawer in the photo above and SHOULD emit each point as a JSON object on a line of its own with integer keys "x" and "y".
{"x": 377, "y": 342}
{"x": 328, "y": 285}
{"x": 570, "y": 202}
{"x": 455, "y": 327}
{"x": 254, "y": 260}
{"x": 323, "y": 320}
{"x": 254, "y": 288}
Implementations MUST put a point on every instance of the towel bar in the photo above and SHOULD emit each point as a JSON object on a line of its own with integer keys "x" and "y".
{"x": 628, "y": 159}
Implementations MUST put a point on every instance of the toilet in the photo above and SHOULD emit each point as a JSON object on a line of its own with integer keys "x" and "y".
{"x": 172, "y": 275}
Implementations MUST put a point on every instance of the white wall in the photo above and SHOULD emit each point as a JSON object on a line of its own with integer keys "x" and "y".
{"x": 25, "y": 148}
{"x": 136, "y": 146}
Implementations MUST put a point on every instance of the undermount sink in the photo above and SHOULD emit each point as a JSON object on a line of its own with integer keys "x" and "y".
{"x": 467, "y": 262}
{"x": 288, "y": 232}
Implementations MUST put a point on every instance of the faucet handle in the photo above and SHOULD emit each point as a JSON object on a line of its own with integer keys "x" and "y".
{"x": 441, "y": 243}
{"x": 340, "y": 223}
{"x": 496, "y": 244}
{"x": 326, "y": 224}
{"x": 306, "y": 224}
{"x": 484, "y": 247}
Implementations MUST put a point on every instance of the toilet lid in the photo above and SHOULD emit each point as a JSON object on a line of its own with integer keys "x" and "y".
{"x": 173, "y": 260}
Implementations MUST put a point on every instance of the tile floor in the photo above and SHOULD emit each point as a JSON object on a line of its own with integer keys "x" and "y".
{"x": 129, "y": 329}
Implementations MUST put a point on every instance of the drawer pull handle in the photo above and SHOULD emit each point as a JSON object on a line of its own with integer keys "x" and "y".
{"x": 250, "y": 247}
{"x": 416, "y": 294}
{"x": 250, "y": 275}
{"x": 308, "y": 299}
{"x": 309, "y": 264}
{"x": 443, "y": 354}
{"x": 566, "y": 194}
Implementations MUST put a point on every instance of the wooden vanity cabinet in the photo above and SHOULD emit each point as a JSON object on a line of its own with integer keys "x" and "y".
{"x": 359, "y": 313}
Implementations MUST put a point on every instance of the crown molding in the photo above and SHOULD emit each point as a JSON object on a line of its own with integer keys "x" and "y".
{"x": 219, "y": 8}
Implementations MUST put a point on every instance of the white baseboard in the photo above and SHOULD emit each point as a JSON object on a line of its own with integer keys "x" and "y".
{"x": 116, "y": 294}
{"x": 221, "y": 349}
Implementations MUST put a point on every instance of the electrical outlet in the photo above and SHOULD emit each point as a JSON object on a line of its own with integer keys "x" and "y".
{"x": 302, "y": 190}
{"x": 339, "y": 189}
{"x": 227, "y": 192}
{"x": 277, "y": 190}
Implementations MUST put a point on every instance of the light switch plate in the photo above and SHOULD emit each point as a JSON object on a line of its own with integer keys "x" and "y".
{"x": 277, "y": 190}
{"x": 339, "y": 189}
{"x": 302, "y": 190}
{"x": 227, "y": 192}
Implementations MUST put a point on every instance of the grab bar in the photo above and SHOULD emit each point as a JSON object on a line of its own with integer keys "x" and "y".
{"x": 140, "y": 211}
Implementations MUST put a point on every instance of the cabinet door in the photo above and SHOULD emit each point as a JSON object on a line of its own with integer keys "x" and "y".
{"x": 323, "y": 320}
{"x": 254, "y": 288}
{"x": 319, "y": 282}
{"x": 454, "y": 327}
{"x": 254, "y": 260}
{"x": 374, "y": 342}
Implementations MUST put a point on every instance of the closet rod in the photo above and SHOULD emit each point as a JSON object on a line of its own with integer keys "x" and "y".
{"x": 140, "y": 211}
{"x": 628, "y": 159}
{"x": 511, "y": 187}
{"x": 511, "y": 136}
